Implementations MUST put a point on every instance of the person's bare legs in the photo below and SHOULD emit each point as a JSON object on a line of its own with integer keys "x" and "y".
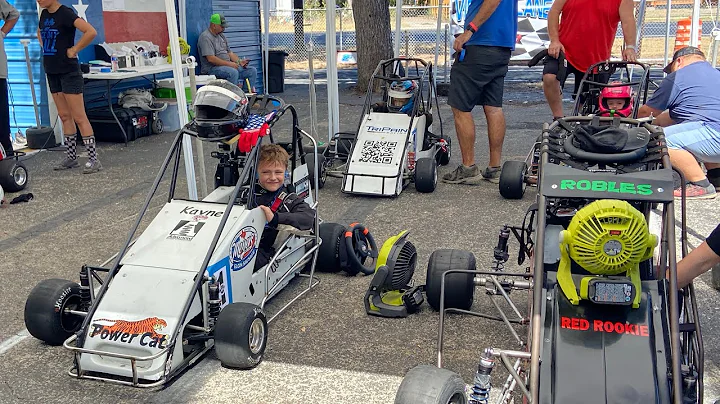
{"x": 684, "y": 161}
{"x": 465, "y": 129}
{"x": 496, "y": 133}
{"x": 553, "y": 94}
{"x": 77, "y": 108}
{"x": 69, "y": 131}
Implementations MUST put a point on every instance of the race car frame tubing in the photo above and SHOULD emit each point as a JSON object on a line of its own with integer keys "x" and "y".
{"x": 644, "y": 83}
{"x": 443, "y": 310}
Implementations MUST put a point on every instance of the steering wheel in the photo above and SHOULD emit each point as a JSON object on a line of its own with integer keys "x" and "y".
{"x": 360, "y": 245}
{"x": 618, "y": 113}
{"x": 611, "y": 158}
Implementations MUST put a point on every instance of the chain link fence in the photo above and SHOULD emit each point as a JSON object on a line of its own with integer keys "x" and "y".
{"x": 419, "y": 23}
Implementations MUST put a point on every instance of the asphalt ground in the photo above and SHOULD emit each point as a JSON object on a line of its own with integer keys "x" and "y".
{"x": 325, "y": 348}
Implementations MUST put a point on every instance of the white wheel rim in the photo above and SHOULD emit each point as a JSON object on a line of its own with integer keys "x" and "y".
{"x": 20, "y": 176}
{"x": 256, "y": 337}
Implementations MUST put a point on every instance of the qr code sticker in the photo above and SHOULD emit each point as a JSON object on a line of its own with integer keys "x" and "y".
{"x": 378, "y": 151}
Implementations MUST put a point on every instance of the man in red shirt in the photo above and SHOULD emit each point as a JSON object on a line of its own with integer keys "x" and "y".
{"x": 586, "y": 36}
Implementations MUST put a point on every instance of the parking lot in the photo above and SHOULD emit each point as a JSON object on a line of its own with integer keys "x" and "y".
{"x": 325, "y": 348}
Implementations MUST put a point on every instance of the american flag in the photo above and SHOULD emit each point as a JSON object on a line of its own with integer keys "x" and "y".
{"x": 256, "y": 121}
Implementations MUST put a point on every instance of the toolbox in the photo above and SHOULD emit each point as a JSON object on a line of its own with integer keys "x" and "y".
{"x": 136, "y": 122}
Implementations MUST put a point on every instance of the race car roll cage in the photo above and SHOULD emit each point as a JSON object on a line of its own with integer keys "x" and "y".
{"x": 390, "y": 72}
{"x": 202, "y": 285}
{"x": 534, "y": 279}
{"x": 582, "y": 106}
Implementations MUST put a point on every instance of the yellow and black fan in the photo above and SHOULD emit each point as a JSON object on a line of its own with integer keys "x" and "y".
{"x": 391, "y": 292}
{"x": 608, "y": 238}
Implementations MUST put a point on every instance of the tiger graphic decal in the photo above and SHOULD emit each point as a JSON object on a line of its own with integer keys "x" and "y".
{"x": 144, "y": 332}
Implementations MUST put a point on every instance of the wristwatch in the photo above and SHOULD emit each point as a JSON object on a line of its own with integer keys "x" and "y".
{"x": 633, "y": 47}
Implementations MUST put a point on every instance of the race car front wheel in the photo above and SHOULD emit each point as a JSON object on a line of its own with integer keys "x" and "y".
{"x": 512, "y": 179}
{"x": 241, "y": 335}
{"x": 425, "y": 384}
{"x": 426, "y": 175}
{"x": 46, "y": 310}
{"x": 13, "y": 175}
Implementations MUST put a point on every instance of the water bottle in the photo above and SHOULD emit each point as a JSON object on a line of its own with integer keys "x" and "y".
{"x": 114, "y": 62}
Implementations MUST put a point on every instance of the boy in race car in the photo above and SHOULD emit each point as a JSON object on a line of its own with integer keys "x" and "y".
{"x": 400, "y": 98}
{"x": 279, "y": 204}
{"x": 615, "y": 100}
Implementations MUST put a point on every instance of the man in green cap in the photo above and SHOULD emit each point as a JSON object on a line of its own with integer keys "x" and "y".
{"x": 218, "y": 60}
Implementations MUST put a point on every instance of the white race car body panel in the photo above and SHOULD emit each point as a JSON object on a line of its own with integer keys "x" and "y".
{"x": 379, "y": 161}
{"x": 141, "y": 311}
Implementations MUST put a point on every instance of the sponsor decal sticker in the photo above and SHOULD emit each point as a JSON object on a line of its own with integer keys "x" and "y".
{"x": 243, "y": 248}
{"x": 609, "y": 327}
{"x": 185, "y": 230}
{"x": 606, "y": 186}
{"x": 193, "y": 211}
{"x": 145, "y": 332}
{"x": 385, "y": 129}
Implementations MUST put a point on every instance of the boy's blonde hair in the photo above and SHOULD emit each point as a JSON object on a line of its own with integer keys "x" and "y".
{"x": 272, "y": 153}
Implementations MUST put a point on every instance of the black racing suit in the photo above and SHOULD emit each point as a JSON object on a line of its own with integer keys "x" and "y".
{"x": 290, "y": 210}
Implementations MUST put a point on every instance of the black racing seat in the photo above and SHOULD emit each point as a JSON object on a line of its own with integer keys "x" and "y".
{"x": 607, "y": 144}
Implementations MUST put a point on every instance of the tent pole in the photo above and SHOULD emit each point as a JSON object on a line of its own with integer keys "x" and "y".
{"x": 398, "y": 17}
{"x": 331, "y": 58}
{"x": 695, "y": 26}
{"x": 179, "y": 79}
{"x": 667, "y": 34}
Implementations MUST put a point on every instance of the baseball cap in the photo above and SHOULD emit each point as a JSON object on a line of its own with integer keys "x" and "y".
{"x": 686, "y": 51}
{"x": 218, "y": 19}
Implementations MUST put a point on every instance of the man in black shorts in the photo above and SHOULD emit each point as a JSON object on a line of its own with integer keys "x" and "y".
{"x": 56, "y": 33}
{"x": 477, "y": 78}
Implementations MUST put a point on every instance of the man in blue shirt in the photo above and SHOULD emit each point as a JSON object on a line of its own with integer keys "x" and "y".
{"x": 477, "y": 78}
{"x": 687, "y": 105}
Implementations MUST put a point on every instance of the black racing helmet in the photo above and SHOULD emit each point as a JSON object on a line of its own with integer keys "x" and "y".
{"x": 221, "y": 109}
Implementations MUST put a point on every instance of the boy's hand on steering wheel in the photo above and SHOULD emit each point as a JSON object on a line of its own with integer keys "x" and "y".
{"x": 555, "y": 48}
{"x": 629, "y": 55}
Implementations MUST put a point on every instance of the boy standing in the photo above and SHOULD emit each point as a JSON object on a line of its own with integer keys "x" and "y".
{"x": 279, "y": 205}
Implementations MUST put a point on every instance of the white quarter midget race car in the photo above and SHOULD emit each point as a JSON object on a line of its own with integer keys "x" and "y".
{"x": 394, "y": 144}
{"x": 189, "y": 282}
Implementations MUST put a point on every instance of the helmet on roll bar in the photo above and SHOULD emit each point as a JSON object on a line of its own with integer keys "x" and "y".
{"x": 220, "y": 110}
{"x": 401, "y": 96}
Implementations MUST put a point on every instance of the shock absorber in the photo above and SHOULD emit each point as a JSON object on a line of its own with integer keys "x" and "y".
{"x": 481, "y": 387}
{"x": 85, "y": 300}
{"x": 501, "y": 250}
{"x": 213, "y": 301}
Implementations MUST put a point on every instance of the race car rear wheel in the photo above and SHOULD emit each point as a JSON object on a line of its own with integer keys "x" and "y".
{"x": 13, "y": 175}
{"x": 459, "y": 287}
{"x": 426, "y": 175}
{"x": 241, "y": 333}
{"x": 512, "y": 179}
{"x": 328, "y": 259}
{"x": 310, "y": 161}
{"x": 425, "y": 384}
{"x": 444, "y": 156}
{"x": 45, "y": 310}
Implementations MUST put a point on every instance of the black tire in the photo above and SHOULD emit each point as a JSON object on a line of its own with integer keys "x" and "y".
{"x": 157, "y": 126}
{"x": 44, "y": 309}
{"x": 241, "y": 333}
{"x": 310, "y": 161}
{"x": 14, "y": 175}
{"x": 425, "y": 384}
{"x": 426, "y": 174}
{"x": 328, "y": 259}
{"x": 459, "y": 287}
{"x": 444, "y": 157}
{"x": 512, "y": 179}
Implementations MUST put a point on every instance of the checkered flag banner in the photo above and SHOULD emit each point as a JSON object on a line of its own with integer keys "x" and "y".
{"x": 532, "y": 38}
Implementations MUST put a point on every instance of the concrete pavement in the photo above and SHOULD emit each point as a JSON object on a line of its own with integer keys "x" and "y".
{"x": 324, "y": 349}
